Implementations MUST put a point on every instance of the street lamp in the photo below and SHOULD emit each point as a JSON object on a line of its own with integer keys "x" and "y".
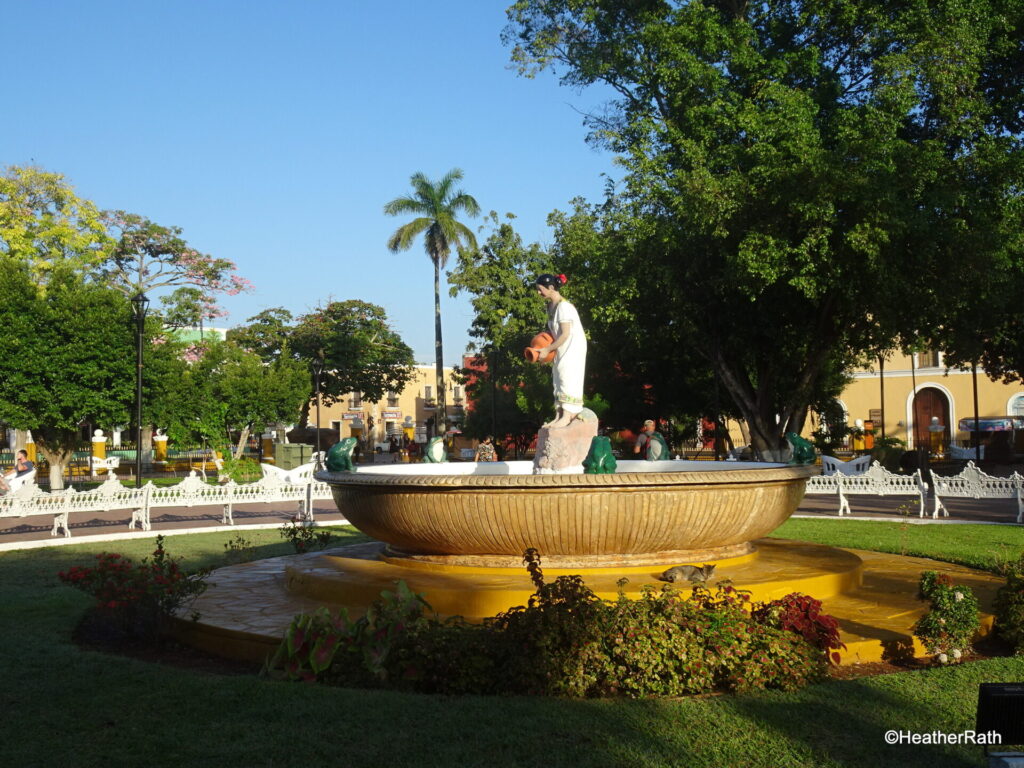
{"x": 140, "y": 304}
{"x": 318, "y": 368}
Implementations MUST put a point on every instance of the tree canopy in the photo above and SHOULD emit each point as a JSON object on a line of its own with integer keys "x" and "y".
{"x": 359, "y": 350}
{"x": 66, "y": 358}
{"x": 803, "y": 180}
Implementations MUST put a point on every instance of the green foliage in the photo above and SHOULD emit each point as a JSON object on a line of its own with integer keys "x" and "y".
{"x": 1009, "y": 606}
{"x": 568, "y": 642}
{"x": 359, "y": 349}
{"x": 43, "y": 224}
{"x": 952, "y": 619}
{"x": 795, "y": 176}
{"x": 66, "y": 357}
{"x": 511, "y": 397}
{"x": 304, "y": 536}
{"x": 240, "y": 470}
{"x": 139, "y": 598}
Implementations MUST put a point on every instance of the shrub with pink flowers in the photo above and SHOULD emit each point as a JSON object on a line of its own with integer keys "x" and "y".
{"x": 138, "y": 597}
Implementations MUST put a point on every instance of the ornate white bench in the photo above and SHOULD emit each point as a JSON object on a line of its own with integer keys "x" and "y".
{"x": 972, "y": 483}
{"x": 876, "y": 481}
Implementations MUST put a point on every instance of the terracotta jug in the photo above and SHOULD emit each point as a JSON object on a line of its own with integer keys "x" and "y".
{"x": 532, "y": 352}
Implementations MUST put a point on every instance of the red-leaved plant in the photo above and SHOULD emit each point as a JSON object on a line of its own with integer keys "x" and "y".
{"x": 802, "y": 614}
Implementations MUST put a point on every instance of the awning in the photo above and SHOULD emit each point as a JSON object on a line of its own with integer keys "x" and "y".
{"x": 992, "y": 425}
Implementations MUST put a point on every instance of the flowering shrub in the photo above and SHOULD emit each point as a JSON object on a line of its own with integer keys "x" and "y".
{"x": 952, "y": 620}
{"x": 305, "y": 537}
{"x": 139, "y": 597}
{"x": 1009, "y": 606}
{"x": 568, "y": 642}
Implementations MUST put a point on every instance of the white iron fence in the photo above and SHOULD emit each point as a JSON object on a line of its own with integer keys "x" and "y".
{"x": 30, "y": 500}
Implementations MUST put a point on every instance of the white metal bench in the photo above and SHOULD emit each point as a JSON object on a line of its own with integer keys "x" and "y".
{"x": 972, "y": 483}
{"x": 876, "y": 481}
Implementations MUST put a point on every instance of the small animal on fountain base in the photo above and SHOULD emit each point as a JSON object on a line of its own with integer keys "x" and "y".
{"x": 692, "y": 573}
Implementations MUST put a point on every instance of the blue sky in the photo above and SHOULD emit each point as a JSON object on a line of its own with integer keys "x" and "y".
{"x": 274, "y": 133}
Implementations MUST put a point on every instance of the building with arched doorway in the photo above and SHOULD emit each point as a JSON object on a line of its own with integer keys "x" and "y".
{"x": 902, "y": 394}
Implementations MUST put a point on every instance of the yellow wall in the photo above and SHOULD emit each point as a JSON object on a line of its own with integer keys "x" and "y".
{"x": 864, "y": 393}
{"x": 410, "y": 402}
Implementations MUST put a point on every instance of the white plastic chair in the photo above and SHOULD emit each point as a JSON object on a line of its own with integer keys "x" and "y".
{"x": 830, "y": 465}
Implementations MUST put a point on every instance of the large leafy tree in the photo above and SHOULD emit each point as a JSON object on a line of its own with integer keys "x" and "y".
{"x": 233, "y": 392}
{"x": 436, "y": 207}
{"x": 65, "y": 358}
{"x": 43, "y": 223}
{"x": 509, "y": 395}
{"x": 802, "y": 179}
{"x": 357, "y": 347}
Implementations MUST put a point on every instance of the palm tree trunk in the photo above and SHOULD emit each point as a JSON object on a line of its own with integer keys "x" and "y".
{"x": 441, "y": 419}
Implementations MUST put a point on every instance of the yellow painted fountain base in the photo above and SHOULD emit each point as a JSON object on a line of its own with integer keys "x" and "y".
{"x": 873, "y": 595}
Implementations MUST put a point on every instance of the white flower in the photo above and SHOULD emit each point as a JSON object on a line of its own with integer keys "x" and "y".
{"x": 958, "y": 595}
{"x": 942, "y": 658}
{"x": 956, "y": 654}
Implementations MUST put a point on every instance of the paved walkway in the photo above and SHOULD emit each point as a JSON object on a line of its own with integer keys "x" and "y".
{"x": 35, "y": 530}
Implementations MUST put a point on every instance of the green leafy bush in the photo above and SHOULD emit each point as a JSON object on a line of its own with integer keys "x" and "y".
{"x": 952, "y": 620}
{"x": 1009, "y": 606}
{"x": 304, "y": 536}
{"x": 139, "y": 598}
{"x": 568, "y": 642}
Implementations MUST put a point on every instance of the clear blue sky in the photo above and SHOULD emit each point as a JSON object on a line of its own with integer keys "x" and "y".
{"x": 273, "y": 133}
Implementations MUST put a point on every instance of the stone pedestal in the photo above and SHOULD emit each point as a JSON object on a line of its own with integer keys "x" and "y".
{"x": 561, "y": 451}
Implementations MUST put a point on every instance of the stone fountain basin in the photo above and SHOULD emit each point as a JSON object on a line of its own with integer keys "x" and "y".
{"x": 649, "y": 511}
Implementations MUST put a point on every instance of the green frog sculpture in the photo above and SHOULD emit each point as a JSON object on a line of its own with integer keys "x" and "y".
{"x": 600, "y": 459}
{"x": 803, "y": 450}
{"x": 435, "y": 453}
{"x": 339, "y": 457}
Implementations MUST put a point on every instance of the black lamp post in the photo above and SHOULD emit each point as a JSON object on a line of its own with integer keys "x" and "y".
{"x": 318, "y": 368}
{"x": 140, "y": 304}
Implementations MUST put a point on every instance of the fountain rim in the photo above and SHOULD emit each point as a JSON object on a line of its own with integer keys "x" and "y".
{"x": 739, "y": 476}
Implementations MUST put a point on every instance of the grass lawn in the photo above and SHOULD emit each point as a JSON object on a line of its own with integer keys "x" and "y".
{"x": 60, "y": 705}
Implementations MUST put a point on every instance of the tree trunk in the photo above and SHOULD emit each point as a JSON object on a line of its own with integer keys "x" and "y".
{"x": 242, "y": 440}
{"x": 441, "y": 420}
{"x": 58, "y": 461}
{"x": 304, "y": 414}
{"x": 20, "y": 439}
{"x": 147, "y": 444}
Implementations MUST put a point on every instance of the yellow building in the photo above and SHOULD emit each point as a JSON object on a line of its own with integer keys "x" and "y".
{"x": 414, "y": 408}
{"x": 902, "y": 395}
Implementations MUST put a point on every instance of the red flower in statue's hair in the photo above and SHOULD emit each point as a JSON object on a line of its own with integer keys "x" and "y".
{"x": 564, "y": 279}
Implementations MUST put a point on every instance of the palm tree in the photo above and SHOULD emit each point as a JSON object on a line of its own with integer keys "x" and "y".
{"x": 435, "y": 207}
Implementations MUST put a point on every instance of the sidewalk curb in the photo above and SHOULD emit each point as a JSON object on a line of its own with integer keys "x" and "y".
{"x": 13, "y": 546}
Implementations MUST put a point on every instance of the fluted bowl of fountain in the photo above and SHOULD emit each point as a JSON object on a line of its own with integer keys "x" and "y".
{"x": 647, "y": 512}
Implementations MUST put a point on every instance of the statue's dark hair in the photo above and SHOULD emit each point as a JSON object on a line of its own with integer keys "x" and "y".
{"x": 550, "y": 281}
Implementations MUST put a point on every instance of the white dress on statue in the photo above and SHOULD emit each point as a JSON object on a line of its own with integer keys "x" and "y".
{"x": 570, "y": 358}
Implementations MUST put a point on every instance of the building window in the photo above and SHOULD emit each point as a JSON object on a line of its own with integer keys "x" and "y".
{"x": 392, "y": 399}
{"x": 929, "y": 358}
{"x": 357, "y": 400}
{"x": 457, "y": 394}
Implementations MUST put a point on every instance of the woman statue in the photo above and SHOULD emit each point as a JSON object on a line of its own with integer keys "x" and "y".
{"x": 569, "y": 346}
